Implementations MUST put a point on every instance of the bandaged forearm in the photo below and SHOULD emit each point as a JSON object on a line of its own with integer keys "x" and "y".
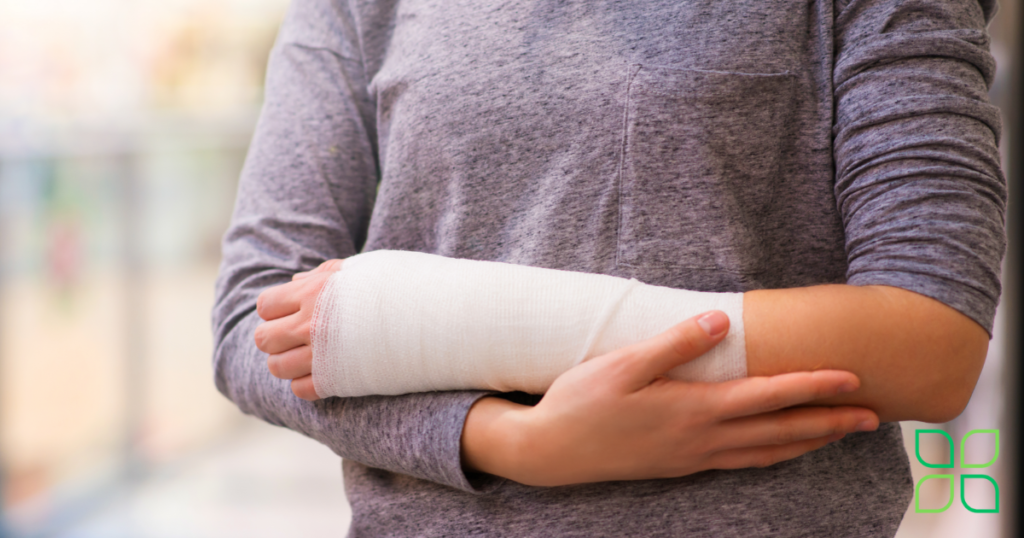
{"x": 396, "y": 322}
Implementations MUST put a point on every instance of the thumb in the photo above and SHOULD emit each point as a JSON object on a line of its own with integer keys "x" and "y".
{"x": 680, "y": 344}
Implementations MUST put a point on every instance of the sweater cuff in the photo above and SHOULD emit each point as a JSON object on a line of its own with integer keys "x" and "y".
{"x": 974, "y": 304}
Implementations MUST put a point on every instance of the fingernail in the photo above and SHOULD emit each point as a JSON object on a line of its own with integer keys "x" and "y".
{"x": 835, "y": 437}
{"x": 866, "y": 426}
{"x": 300, "y": 276}
{"x": 714, "y": 323}
{"x": 849, "y": 386}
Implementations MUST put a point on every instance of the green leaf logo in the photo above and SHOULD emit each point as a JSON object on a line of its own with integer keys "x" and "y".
{"x": 917, "y": 449}
{"x": 963, "y": 499}
{"x": 917, "y": 495}
{"x": 963, "y": 477}
{"x": 963, "y": 450}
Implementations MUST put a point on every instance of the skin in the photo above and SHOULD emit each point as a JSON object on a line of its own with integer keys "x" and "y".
{"x": 823, "y": 361}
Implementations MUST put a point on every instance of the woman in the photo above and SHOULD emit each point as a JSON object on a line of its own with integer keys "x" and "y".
{"x": 836, "y": 162}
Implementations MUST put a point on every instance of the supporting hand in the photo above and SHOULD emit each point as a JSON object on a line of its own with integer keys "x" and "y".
{"x": 616, "y": 417}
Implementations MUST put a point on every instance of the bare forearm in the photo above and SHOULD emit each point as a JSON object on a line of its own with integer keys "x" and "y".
{"x": 916, "y": 357}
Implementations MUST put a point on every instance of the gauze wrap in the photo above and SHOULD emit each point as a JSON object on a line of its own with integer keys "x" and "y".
{"x": 396, "y": 322}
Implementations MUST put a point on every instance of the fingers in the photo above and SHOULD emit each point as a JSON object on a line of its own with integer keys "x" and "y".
{"x": 292, "y": 364}
{"x": 278, "y": 301}
{"x": 793, "y": 425}
{"x": 303, "y": 388}
{"x": 765, "y": 456}
{"x": 680, "y": 344}
{"x": 282, "y": 334}
{"x": 329, "y": 266}
{"x": 756, "y": 395}
{"x": 295, "y": 364}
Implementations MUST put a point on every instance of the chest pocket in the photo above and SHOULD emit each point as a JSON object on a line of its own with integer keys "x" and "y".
{"x": 702, "y": 153}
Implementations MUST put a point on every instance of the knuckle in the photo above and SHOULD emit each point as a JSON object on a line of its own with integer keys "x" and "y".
{"x": 310, "y": 287}
{"x": 611, "y": 368}
{"x": 683, "y": 341}
{"x": 260, "y": 335}
{"x": 304, "y": 390}
{"x": 302, "y": 331}
{"x": 707, "y": 447}
{"x": 838, "y": 421}
{"x": 703, "y": 409}
{"x": 784, "y": 434}
{"x": 773, "y": 400}
{"x": 603, "y": 383}
{"x": 707, "y": 416}
{"x": 622, "y": 359}
{"x": 823, "y": 390}
{"x": 260, "y": 308}
{"x": 765, "y": 460}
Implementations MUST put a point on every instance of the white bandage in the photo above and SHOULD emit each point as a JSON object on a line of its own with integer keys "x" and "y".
{"x": 396, "y": 322}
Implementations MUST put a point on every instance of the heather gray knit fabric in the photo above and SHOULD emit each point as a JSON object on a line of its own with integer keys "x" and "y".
{"x": 716, "y": 146}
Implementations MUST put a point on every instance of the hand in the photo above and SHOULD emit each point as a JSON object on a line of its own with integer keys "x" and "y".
{"x": 287, "y": 310}
{"x": 616, "y": 417}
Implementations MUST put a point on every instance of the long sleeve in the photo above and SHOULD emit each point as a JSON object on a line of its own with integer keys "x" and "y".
{"x": 306, "y": 193}
{"x": 918, "y": 179}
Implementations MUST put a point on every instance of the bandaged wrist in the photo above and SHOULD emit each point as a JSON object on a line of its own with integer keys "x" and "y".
{"x": 396, "y": 322}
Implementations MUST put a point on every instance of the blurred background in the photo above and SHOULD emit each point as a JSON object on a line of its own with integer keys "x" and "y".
{"x": 123, "y": 127}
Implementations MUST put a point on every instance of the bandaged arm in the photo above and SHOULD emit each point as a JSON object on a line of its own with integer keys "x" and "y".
{"x": 397, "y": 322}
{"x": 917, "y": 358}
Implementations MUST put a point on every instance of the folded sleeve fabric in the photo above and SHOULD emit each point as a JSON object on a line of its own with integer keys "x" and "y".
{"x": 918, "y": 178}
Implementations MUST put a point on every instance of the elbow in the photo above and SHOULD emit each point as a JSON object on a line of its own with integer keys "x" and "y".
{"x": 234, "y": 380}
{"x": 950, "y": 387}
{"x": 940, "y": 357}
{"x": 220, "y": 375}
{"x": 233, "y": 347}
{"x": 945, "y": 404}
{"x": 223, "y": 378}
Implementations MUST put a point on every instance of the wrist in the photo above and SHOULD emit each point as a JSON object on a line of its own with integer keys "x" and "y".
{"x": 492, "y": 437}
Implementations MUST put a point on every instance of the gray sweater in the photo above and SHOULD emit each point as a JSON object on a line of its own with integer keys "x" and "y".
{"x": 716, "y": 146}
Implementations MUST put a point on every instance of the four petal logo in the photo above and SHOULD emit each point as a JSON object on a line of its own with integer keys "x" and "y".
{"x": 952, "y": 478}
